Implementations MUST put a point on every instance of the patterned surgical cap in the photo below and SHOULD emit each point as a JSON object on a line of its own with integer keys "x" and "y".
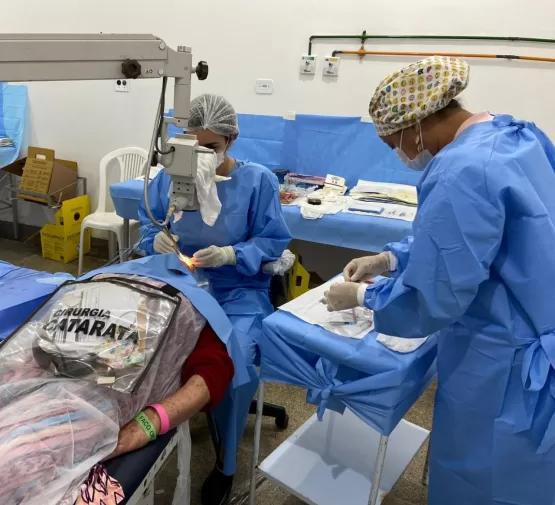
{"x": 405, "y": 98}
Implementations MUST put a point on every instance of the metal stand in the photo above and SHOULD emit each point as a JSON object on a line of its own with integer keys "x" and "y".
{"x": 256, "y": 444}
{"x": 11, "y": 204}
{"x": 281, "y": 465}
{"x": 112, "y": 245}
{"x": 380, "y": 460}
{"x": 15, "y": 212}
{"x": 378, "y": 469}
{"x": 48, "y": 198}
{"x": 426, "y": 471}
{"x": 124, "y": 254}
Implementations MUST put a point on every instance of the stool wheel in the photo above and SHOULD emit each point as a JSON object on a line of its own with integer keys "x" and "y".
{"x": 282, "y": 422}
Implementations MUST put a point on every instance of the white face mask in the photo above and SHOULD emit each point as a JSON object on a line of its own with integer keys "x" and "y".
{"x": 419, "y": 162}
{"x": 220, "y": 158}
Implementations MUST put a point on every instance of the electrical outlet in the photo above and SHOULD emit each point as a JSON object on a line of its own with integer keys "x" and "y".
{"x": 264, "y": 86}
{"x": 122, "y": 85}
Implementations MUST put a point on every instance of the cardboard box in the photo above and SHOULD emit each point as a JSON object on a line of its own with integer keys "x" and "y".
{"x": 60, "y": 241}
{"x": 44, "y": 173}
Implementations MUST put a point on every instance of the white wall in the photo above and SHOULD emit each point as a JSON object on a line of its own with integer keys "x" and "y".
{"x": 247, "y": 39}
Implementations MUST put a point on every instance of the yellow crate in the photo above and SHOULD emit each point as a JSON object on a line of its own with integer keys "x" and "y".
{"x": 60, "y": 241}
{"x": 298, "y": 279}
{"x": 60, "y": 246}
{"x": 72, "y": 212}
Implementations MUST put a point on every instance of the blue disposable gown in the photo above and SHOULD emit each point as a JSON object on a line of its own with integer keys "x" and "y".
{"x": 251, "y": 221}
{"x": 480, "y": 271}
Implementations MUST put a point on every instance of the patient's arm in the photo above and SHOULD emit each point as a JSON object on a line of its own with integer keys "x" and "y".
{"x": 180, "y": 406}
{"x": 206, "y": 374}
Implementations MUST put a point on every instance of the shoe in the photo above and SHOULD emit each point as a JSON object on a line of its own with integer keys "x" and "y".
{"x": 216, "y": 489}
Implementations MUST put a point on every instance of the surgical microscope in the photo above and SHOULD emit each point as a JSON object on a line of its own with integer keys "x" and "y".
{"x": 76, "y": 57}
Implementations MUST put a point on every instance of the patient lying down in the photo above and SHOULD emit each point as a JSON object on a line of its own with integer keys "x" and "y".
{"x": 74, "y": 377}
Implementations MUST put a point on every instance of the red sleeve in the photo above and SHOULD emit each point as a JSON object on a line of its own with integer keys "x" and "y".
{"x": 211, "y": 361}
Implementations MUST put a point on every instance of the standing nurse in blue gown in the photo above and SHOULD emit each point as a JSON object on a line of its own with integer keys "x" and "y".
{"x": 249, "y": 233}
{"x": 479, "y": 269}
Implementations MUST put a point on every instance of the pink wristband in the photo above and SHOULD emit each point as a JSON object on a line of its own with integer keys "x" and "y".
{"x": 164, "y": 419}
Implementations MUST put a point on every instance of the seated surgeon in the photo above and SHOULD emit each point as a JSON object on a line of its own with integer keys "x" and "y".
{"x": 249, "y": 233}
{"x": 106, "y": 365}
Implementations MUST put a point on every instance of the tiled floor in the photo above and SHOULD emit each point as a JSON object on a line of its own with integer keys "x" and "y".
{"x": 408, "y": 490}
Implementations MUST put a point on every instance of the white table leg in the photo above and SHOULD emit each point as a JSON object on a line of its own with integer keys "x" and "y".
{"x": 256, "y": 444}
{"x": 380, "y": 460}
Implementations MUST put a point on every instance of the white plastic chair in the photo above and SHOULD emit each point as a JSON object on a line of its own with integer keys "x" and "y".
{"x": 131, "y": 161}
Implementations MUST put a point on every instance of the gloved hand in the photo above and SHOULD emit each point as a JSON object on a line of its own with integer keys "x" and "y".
{"x": 215, "y": 257}
{"x": 365, "y": 268}
{"x": 163, "y": 244}
{"x": 343, "y": 296}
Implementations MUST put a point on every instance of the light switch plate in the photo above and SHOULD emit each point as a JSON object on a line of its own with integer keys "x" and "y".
{"x": 264, "y": 86}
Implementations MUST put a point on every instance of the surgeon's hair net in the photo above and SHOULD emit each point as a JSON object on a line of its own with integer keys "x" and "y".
{"x": 410, "y": 95}
{"x": 214, "y": 113}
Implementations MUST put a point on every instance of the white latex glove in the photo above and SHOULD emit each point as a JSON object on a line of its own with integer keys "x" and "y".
{"x": 163, "y": 244}
{"x": 280, "y": 266}
{"x": 343, "y": 296}
{"x": 367, "y": 267}
{"x": 215, "y": 257}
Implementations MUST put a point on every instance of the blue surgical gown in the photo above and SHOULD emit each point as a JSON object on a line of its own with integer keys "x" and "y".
{"x": 251, "y": 221}
{"x": 480, "y": 271}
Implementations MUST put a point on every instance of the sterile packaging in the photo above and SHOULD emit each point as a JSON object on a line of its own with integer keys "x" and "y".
{"x": 290, "y": 194}
{"x": 387, "y": 192}
{"x": 287, "y": 197}
{"x": 309, "y": 307}
{"x": 335, "y": 184}
{"x": 305, "y": 180}
{"x": 388, "y": 210}
{"x": 83, "y": 365}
